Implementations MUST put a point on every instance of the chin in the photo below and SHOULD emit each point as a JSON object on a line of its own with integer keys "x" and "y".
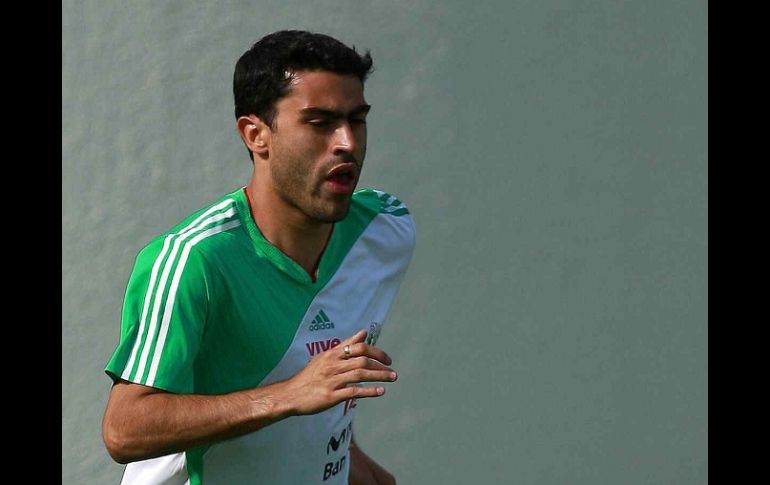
{"x": 332, "y": 218}
{"x": 331, "y": 215}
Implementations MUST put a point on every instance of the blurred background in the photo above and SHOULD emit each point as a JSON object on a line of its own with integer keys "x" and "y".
{"x": 553, "y": 326}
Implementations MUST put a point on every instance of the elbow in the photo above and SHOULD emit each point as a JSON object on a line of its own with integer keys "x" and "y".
{"x": 116, "y": 443}
{"x": 118, "y": 457}
{"x": 123, "y": 429}
{"x": 115, "y": 446}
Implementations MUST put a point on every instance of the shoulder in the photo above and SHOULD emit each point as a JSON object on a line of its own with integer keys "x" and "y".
{"x": 218, "y": 216}
{"x": 387, "y": 214}
{"x": 379, "y": 201}
{"x": 189, "y": 237}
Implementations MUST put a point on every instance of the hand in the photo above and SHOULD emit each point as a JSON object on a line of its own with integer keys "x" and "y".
{"x": 365, "y": 471}
{"x": 332, "y": 377}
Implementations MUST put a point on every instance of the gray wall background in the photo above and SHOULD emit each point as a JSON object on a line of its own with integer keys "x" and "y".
{"x": 553, "y": 326}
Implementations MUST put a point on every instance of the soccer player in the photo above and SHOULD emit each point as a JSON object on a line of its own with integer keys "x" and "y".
{"x": 248, "y": 329}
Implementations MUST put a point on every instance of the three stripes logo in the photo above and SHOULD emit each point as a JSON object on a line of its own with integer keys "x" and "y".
{"x": 321, "y": 322}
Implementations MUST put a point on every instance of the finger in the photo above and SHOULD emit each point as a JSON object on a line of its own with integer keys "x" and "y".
{"x": 356, "y": 376}
{"x": 343, "y": 348}
{"x": 363, "y": 350}
{"x": 359, "y": 392}
{"x": 359, "y": 336}
{"x": 361, "y": 363}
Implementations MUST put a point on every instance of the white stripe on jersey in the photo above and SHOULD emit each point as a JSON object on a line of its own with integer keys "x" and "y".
{"x": 169, "y": 308}
{"x": 195, "y": 225}
{"x": 162, "y": 285}
{"x": 147, "y": 297}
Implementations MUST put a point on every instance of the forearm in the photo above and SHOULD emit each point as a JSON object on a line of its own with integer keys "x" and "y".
{"x": 141, "y": 423}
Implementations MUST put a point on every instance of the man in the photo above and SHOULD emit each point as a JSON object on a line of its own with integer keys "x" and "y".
{"x": 248, "y": 329}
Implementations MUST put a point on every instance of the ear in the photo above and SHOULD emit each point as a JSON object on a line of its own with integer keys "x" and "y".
{"x": 254, "y": 133}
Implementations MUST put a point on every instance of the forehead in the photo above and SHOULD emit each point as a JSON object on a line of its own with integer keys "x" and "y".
{"x": 323, "y": 89}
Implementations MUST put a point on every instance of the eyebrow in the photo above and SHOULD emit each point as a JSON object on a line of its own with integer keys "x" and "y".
{"x": 330, "y": 113}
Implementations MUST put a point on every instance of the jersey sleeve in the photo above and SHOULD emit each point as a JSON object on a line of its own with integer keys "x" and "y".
{"x": 392, "y": 212}
{"x": 163, "y": 319}
{"x": 400, "y": 219}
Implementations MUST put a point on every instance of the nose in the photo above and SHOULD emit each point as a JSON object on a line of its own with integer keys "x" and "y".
{"x": 345, "y": 140}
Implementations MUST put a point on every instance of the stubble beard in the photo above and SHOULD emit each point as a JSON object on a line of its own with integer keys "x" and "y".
{"x": 293, "y": 190}
{"x": 326, "y": 212}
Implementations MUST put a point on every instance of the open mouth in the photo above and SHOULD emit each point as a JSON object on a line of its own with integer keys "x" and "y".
{"x": 342, "y": 177}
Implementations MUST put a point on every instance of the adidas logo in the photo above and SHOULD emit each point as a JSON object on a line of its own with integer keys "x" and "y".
{"x": 321, "y": 322}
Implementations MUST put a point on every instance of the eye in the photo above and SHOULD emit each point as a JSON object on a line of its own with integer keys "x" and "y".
{"x": 358, "y": 121}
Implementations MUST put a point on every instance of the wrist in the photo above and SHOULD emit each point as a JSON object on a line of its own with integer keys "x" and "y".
{"x": 279, "y": 402}
{"x": 266, "y": 405}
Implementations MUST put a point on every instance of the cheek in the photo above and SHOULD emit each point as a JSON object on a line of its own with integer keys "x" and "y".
{"x": 295, "y": 161}
{"x": 306, "y": 147}
{"x": 288, "y": 151}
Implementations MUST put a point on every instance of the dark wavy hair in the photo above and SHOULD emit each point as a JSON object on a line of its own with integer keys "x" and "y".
{"x": 264, "y": 72}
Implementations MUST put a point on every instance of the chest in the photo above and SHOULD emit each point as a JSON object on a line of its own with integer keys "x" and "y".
{"x": 265, "y": 328}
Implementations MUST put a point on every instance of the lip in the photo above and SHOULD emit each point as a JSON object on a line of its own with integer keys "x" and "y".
{"x": 342, "y": 179}
{"x": 344, "y": 168}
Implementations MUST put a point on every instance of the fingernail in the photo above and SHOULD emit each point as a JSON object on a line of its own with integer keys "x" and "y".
{"x": 380, "y": 391}
{"x": 393, "y": 376}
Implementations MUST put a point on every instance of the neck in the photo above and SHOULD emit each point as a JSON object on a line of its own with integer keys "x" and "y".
{"x": 288, "y": 229}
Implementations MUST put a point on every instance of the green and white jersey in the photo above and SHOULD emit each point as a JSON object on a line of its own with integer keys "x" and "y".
{"x": 212, "y": 307}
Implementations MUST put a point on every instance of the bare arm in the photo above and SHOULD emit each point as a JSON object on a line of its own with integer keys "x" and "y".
{"x": 143, "y": 422}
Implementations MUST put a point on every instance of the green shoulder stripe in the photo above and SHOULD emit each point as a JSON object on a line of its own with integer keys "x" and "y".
{"x": 382, "y": 202}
